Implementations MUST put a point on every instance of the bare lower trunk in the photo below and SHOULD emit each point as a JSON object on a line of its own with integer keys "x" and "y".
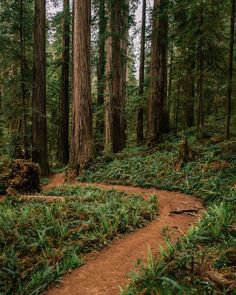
{"x": 39, "y": 124}
{"x": 101, "y": 71}
{"x": 124, "y": 57}
{"x": 113, "y": 98}
{"x": 23, "y": 87}
{"x": 189, "y": 94}
{"x": 200, "y": 80}
{"x": 140, "y": 111}
{"x": 63, "y": 151}
{"x": 230, "y": 71}
{"x": 158, "y": 73}
{"x": 82, "y": 142}
{"x": 169, "y": 90}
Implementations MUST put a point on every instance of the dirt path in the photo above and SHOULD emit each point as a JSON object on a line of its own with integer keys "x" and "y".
{"x": 55, "y": 181}
{"x": 107, "y": 270}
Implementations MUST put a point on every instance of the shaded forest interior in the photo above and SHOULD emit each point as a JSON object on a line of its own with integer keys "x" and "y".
{"x": 138, "y": 93}
{"x": 180, "y": 81}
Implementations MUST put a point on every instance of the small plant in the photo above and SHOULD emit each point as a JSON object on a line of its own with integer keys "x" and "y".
{"x": 150, "y": 278}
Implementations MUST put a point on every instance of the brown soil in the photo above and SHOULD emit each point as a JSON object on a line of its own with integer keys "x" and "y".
{"x": 55, "y": 181}
{"x": 2, "y": 198}
{"x": 105, "y": 271}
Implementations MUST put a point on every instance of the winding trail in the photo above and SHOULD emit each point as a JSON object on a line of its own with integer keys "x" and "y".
{"x": 105, "y": 271}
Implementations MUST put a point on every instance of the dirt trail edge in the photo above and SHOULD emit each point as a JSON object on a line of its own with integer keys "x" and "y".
{"x": 107, "y": 270}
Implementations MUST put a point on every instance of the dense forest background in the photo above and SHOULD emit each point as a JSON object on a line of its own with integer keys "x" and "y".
{"x": 170, "y": 72}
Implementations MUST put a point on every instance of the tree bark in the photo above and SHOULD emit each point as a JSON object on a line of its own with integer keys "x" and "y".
{"x": 169, "y": 90}
{"x": 158, "y": 72}
{"x": 82, "y": 141}
{"x": 23, "y": 81}
{"x": 124, "y": 61}
{"x": 189, "y": 94}
{"x": 230, "y": 71}
{"x": 101, "y": 71}
{"x": 140, "y": 111}
{"x": 63, "y": 151}
{"x": 39, "y": 125}
{"x": 113, "y": 98}
{"x": 200, "y": 80}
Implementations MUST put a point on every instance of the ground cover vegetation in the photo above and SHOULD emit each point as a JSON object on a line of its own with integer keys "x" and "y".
{"x": 203, "y": 261}
{"x": 40, "y": 241}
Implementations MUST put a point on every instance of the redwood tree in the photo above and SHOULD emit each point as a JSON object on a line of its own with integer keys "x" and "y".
{"x": 114, "y": 96}
{"x": 124, "y": 58}
{"x": 157, "y": 72}
{"x": 139, "y": 127}
{"x": 200, "y": 85}
{"x": 101, "y": 68}
{"x": 39, "y": 124}
{"x": 63, "y": 149}
{"x": 230, "y": 70}
{"x": 24, "y": 92}
{"x": 82, "y": 142}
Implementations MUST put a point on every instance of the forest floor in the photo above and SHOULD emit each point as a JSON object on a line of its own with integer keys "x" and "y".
{"x": 111, "y": 220}
{"x": 203, "y": 262}
{"x": 105, "y": 271}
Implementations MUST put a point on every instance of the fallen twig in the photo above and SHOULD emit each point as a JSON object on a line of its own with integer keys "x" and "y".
{"x": 184, "y": 211}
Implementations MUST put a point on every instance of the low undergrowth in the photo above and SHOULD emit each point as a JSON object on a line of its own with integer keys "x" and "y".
{"x": 40, "y": 241}
{"x": 211, "y": 174}
{"x": 203, "y": 262}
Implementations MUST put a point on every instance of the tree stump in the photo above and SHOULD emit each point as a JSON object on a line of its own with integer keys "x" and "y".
{"x": 186, "y": 154}
{"x": 23, "y": 177}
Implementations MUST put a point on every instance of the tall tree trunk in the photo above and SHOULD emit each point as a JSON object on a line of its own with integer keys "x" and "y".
{"x": 189, "y": 94}
{"x": 169, "y": 88}
{"x": 200, "y": 80}
{"x": 82, "y": 141}
{"x": 176, "y": 110}
{"x": 124, "y": 62}
{"x": 23, "y": 81}
{"x": 158, "y": 72}
{"x": 113, "y": 99}
{"x": 140, "y": 111}
{"x": 230, "y": 71}
{"x": 63, "y": 151}
{"x": 1, "y": 98}
{"x": 101, "y": 70}
{"x": 39, "y": 124}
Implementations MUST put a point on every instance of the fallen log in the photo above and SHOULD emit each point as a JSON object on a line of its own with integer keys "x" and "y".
{"x": 49, "y": 199}
{"x": 217, "y": 278}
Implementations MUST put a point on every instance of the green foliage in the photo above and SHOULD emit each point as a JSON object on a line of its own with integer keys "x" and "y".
{"x": 210, "y": 177}
{"x": 40, "y": 241}
{"x": 182, "y": 267}
{"x": 15, "y": 74}
{"x": 151, "y": 279}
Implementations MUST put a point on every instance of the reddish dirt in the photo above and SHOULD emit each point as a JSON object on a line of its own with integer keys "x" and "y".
{"x": 55, "y": 181}
{"x": 105, "y": 271}
{"x": 2, "y": 198}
